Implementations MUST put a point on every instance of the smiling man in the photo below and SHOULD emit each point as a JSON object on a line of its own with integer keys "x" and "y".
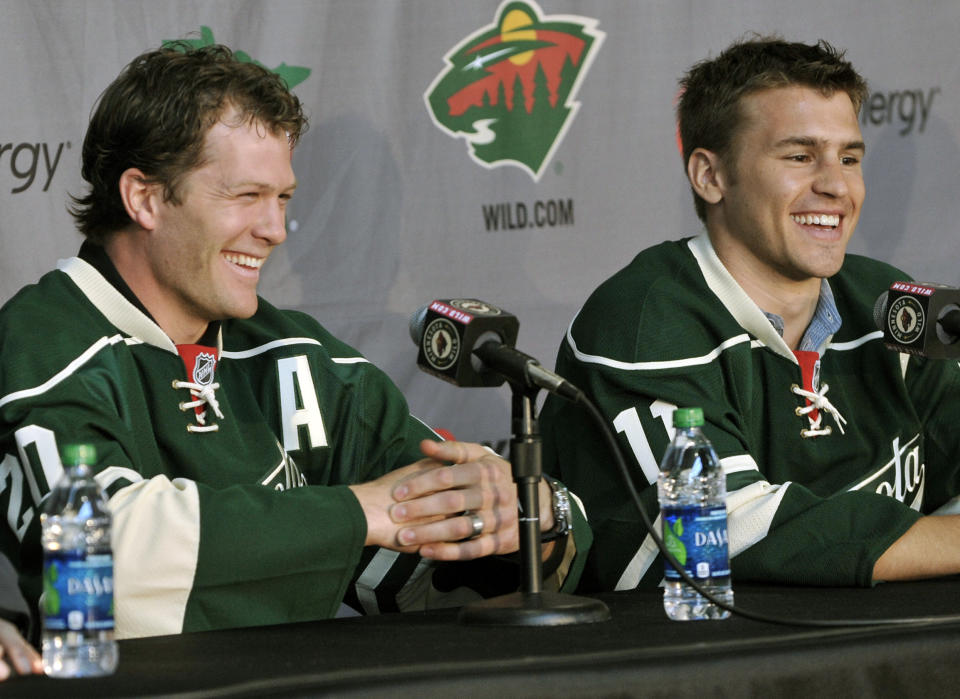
{"x": 755, "y": 320}
{"x": 259, "y": 470}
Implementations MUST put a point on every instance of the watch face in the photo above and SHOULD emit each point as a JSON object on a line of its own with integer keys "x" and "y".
{"x": 561, "y": 509}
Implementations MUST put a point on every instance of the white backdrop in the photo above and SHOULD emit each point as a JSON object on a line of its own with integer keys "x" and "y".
{"x": 392, "y": 211}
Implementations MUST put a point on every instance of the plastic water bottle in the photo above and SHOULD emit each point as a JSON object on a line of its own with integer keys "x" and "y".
{"x": 692, "y": 490}
{"x": 77, "y": 598}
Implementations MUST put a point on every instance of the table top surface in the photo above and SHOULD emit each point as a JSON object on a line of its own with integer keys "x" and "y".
{"x": 637, "y": 650}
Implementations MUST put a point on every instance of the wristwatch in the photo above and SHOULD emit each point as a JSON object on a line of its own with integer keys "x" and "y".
{"x": 562, "y": 520}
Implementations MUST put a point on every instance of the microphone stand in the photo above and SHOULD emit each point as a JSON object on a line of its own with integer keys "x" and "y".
{"x": 531, "y": 605}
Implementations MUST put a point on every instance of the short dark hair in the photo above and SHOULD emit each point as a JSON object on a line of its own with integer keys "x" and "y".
{"x": 155, "y": 117}
{"x": 708, "y": 111}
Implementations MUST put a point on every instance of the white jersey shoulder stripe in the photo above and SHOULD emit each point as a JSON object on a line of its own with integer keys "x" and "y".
{"x": 288, "y": 342}
{"x": 853, "y": 344}
{"x": 734, "y": 299}
{"x": 285, "y": 342}
{"x": 653, "y": 366}
{"x": 64, "y": 373}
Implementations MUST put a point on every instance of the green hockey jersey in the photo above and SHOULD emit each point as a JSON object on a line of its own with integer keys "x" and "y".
{"x": 227, "y": 467}
{"x": 829, "y": 456}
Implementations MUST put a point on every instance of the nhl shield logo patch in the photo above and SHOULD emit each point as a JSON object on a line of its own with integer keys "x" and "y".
{"x": 509, "y": 89}
{"x": 203, "y": 368}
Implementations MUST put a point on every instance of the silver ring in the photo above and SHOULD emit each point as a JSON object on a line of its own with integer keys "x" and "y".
{"x": 476, "y": 521}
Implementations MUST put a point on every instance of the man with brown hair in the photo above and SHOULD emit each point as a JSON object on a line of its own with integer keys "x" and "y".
{"x": 755, "y": 320}
{"x": 259, "y": 470}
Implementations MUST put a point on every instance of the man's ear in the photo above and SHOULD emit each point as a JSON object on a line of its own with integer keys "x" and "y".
{"x": 140, "y": 197}
{"x": 705, "y": 172}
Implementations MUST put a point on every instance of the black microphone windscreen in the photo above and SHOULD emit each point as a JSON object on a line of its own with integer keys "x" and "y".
{"x": 948, "y": 324}
{"x": 446, "y": 331}
{"x": 880, "y": 311}
{"x": 417, "y": 322}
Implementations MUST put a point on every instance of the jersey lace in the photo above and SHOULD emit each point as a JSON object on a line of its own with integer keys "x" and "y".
{"x": 817, "y": 405}
{"x": 202, "y": 396}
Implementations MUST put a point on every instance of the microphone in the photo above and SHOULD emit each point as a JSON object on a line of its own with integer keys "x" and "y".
{"x": 470, "y": 343}
{"x": 921, "y": 318}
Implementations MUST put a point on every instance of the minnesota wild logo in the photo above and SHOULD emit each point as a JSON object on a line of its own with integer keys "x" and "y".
{"x": 509, "y": 88}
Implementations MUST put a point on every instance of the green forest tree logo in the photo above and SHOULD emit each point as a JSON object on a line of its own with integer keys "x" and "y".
{"x": 292, "y": 75}
{"x": 509, "y": 89}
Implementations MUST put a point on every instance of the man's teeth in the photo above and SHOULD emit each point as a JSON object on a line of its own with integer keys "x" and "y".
{"x": 817, "y": 219}
{"x": 244, "y": 260}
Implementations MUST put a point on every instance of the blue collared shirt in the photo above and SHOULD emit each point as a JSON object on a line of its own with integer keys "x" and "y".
{"x": 825, "y": 322}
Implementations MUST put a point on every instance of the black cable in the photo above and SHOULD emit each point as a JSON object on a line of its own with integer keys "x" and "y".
{"x": 614, "y": 447}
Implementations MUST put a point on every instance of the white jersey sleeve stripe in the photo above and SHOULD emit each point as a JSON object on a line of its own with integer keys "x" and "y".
{"x": 372, "y": 576}
{"x": 739, "y": 463}
{"x": 750, "y": 512}
{"x": 154, "y": 565}
{"x": 951, "y": 507}
{"x": 110, "y": 475}
{"x": 641, "y": 561}
{"x": 431, "y": 429}
{"x": 751, "y": 520}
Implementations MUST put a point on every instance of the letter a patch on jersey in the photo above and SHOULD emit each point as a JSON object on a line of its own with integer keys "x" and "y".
{"x": 299, "y": 405}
